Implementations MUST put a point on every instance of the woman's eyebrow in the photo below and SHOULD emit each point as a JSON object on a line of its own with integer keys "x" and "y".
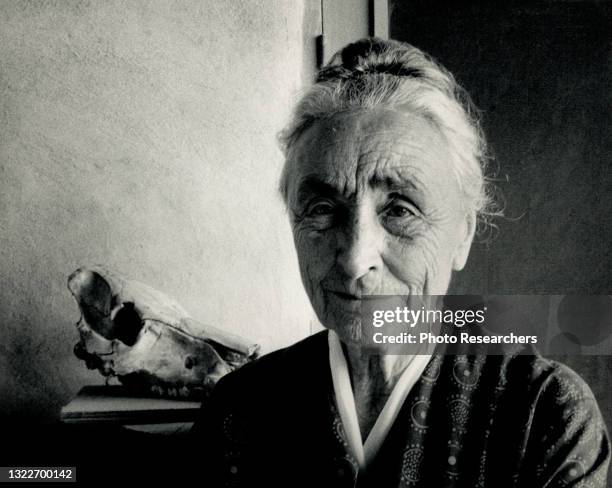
{"x": 313, "y": 185}
{"x": 393, "y": 182}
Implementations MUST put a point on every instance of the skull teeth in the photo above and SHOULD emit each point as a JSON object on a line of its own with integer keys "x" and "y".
{"x": 172, "y": 392}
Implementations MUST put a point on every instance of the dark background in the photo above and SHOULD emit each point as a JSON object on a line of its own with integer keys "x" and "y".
{"x": 541, "y": 74}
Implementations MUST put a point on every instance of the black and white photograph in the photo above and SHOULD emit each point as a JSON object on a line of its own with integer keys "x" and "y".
{"x": 306, "y": 243}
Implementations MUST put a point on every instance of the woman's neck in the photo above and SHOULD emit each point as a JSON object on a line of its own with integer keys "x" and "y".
{"x": 373, "y": 377}
{"x": 382, "y": 370}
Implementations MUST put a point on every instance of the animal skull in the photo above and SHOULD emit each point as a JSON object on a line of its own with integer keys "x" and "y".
{"x": 146, "y": 339}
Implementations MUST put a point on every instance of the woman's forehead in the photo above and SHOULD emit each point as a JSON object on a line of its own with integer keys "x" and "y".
{"x": 386, "y": 146}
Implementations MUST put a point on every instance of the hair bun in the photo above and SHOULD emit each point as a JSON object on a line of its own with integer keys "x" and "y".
{"x": 365, "y": 57}
{"x": 356, "y": 54}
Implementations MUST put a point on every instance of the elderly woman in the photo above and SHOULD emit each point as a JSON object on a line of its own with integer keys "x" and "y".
{"x": 384, "y": 183}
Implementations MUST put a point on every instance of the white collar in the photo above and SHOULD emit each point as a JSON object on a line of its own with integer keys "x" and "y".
{"x": 345, "y": 401}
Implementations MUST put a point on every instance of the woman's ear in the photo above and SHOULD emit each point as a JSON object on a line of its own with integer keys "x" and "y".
{"x": 467, "y": 236}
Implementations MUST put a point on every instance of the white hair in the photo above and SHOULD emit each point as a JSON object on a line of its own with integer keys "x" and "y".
{"x": 373, "y": 73}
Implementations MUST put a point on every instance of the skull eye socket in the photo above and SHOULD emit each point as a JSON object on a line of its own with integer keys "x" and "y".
{"x": 127, "y": 324}
{"x": 100, "y": 309}
{"x": 190, "y": 362}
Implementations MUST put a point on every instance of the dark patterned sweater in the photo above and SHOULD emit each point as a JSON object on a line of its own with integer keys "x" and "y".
{"x": 472, "y": 420}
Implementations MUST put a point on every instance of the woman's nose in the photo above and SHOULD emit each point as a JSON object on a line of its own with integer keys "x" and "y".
{"x": 359, "y": 252}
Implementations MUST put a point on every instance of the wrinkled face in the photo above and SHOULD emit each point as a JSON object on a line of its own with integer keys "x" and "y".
{"x": 376, "y": 210}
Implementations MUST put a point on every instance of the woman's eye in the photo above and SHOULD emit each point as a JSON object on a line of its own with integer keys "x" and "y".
{"x": 397, "y": 210}
{"x": 320, "y": 209}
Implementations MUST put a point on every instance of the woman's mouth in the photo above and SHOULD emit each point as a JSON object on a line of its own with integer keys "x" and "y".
{"x": 346, "y": 296}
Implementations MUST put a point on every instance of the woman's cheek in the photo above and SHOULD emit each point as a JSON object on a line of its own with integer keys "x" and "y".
{"x": 414, "y": 262}
{"x": 315, "y": 254}
{"x": 308, "y": 242}
{"x": 437, "y": 261}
